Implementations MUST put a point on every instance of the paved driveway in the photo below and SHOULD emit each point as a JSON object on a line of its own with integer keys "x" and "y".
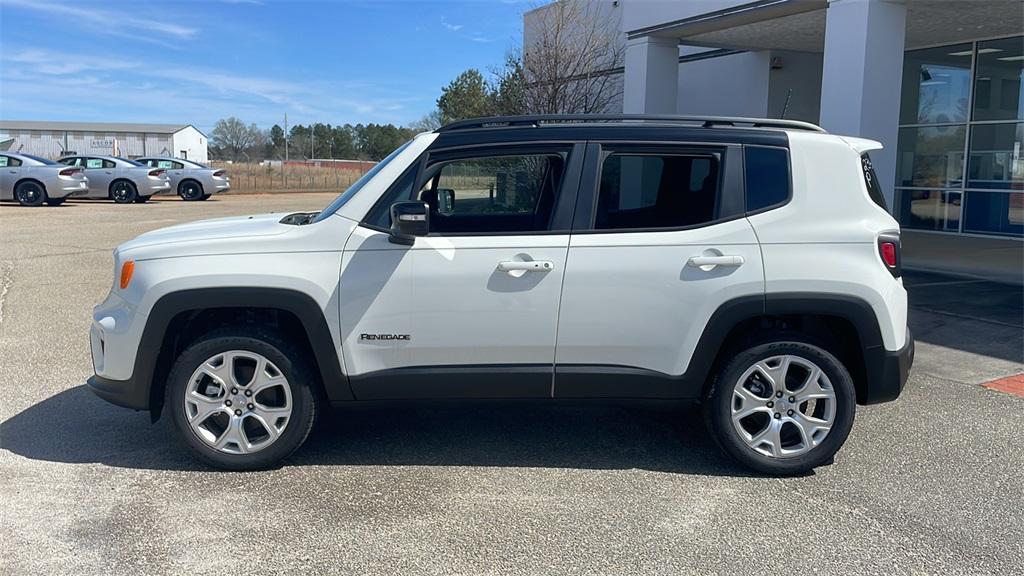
{"x": 928, "y": 484}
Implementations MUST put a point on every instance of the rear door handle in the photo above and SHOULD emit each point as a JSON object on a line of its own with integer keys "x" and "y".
{"x": 525, "y": 266}
{"x": 727, "y": 260}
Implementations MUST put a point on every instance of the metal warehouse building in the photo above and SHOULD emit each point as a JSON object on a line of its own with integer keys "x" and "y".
{"x": 55, "y": 139}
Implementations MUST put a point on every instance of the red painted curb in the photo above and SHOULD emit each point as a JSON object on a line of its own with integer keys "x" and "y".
{"x": 1010, "y": 385}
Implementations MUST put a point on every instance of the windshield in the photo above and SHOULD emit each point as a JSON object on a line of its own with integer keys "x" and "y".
{"x": 40, "y": 160}
{"x": 358, "y": 184}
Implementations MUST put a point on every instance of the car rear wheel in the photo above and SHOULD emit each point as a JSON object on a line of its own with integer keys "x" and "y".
{"x": 782, "y": 407}
{"x": 191, "y": 190}
{"x": 205, "y": 197}
{"x": 242, "y": 399}
{"x": 123, "y": 192}
{"x": 30, "y": 194}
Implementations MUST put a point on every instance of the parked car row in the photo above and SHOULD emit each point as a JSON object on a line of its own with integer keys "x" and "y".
{"x": 33, "y": 181}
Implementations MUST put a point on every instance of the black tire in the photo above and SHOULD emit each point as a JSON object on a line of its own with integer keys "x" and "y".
{"x": 190, "y": 190}
{"x": 30, "y": 193}
{"x": 55, "y": 201}
{"x": 718, "y": 404}
{"x": 205, "y": 197}
{"x": 142, "y": 199}
{"x": 123, "y": 192}
{"x": 292, "y": 362}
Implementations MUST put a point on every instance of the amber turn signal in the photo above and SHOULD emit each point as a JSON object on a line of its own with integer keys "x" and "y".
{"x": 126, "y": 273}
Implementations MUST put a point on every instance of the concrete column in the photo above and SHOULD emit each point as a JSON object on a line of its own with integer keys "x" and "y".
{"x": 862, "y": 76}
{"x": 652, "y": 76}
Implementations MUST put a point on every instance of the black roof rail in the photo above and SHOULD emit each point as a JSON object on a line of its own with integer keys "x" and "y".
{"x": 704, "y": 121}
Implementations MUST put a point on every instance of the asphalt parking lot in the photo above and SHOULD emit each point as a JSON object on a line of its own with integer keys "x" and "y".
{"x": 929, "y": 484}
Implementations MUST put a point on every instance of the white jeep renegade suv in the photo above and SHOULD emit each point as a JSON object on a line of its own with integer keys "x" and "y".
{"x": 747, "y": 264}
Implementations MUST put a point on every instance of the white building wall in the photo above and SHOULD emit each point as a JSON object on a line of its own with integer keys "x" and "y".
{"x": 801, "y": 73}
{"x": 735, "y": 85}
{"x": 191, "y": 144}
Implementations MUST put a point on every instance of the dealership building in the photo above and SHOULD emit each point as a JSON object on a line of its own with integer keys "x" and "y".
{"x": 938, "y": 82}
{"x": 55, "y": 139}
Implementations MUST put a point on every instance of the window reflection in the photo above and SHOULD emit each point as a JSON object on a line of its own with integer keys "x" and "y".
{"x": 996, "y": 156}
{"x": 995, "y": 213}
{"x": 998, "y": 93}
{"x": 930, "y": 209}
{"x": 931, "y": 157}
{"x": 936, "y": 85}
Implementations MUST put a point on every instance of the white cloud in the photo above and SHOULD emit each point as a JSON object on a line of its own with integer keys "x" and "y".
{"x": 46, "y": 62}
{"x": 450, "y": 26}
{"x": 98, "y": 87}
{"x": 118, "y": 23}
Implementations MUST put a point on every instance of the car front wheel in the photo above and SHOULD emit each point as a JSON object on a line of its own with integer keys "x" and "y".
{"x": 242, "y": 399}
{"x": 782, "y": 407}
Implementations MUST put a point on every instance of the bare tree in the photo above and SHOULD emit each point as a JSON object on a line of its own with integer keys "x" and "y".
{"x": 573, "y": 57}
{"x": 233, "y": 137}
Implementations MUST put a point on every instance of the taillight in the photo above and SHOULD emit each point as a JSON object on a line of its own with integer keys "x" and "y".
{"x": 220, "y": 173}
{"x": 889, "y": 251}
{"x": 157, "y": 172}
{"x": 69, "y": 171}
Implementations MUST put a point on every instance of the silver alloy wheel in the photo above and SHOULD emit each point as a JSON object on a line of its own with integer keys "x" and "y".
{"x": 238, "y": 402}
{"x": 783, "y": 406}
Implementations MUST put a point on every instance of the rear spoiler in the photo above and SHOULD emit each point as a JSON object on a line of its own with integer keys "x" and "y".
{"x": 862, "y": 145}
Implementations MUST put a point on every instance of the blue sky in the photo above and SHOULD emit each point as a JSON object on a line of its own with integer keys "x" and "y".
{"x": 198, "y": 61}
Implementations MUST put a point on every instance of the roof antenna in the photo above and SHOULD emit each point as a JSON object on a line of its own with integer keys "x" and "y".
{"x": 785, "y": 107}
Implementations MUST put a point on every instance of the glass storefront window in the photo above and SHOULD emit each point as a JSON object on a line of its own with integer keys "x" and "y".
{"x": 931, "y": 157}
{"x": 1000, "y": 213}
{"x": 962, "y": 98}
{"x": 936, "y": 85}
{"x": 999, "y": 83}
{"x": 930, "y": 209}
{"x": 996, "y": 157}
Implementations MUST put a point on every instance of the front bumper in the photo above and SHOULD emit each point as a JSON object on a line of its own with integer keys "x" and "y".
{"x": 126, "y": 393}
{"x": 887, "y": 372}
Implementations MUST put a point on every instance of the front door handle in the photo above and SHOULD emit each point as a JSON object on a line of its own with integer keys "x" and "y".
{"x": 525, "y": 265}
{"x": 726, "y": 260}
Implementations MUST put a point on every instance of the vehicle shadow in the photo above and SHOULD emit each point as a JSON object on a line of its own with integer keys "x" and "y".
{"x": 76, "y": 427}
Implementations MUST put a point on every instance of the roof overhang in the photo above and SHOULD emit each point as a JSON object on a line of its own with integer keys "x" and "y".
{"x": 727, "y": 18}
{"x": 800, "y": 24}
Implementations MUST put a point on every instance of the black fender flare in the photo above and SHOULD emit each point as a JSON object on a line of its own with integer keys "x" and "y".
{"x": 300, "y": 304}
{"x": 846, "y": 307}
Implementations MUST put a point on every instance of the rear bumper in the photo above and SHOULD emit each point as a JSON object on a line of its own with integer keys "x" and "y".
{"x": 887, "y": 372}
{"x": 126, "y": 393}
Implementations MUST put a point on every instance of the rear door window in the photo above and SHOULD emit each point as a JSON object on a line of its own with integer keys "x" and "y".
{"x": 643, "y": 191}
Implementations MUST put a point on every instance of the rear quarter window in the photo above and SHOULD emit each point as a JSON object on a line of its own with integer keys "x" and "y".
{"x": 766, "y": 177}
{"x": 871, "y": 181}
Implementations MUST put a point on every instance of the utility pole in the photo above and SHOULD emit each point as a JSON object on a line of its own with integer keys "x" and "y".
{"x": 312, "y": 148}
{"x": 286, "y": 137}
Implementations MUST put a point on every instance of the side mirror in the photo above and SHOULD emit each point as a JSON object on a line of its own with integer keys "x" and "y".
{"x": 445, "y": 200}
{"x": 409, "y": 220}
